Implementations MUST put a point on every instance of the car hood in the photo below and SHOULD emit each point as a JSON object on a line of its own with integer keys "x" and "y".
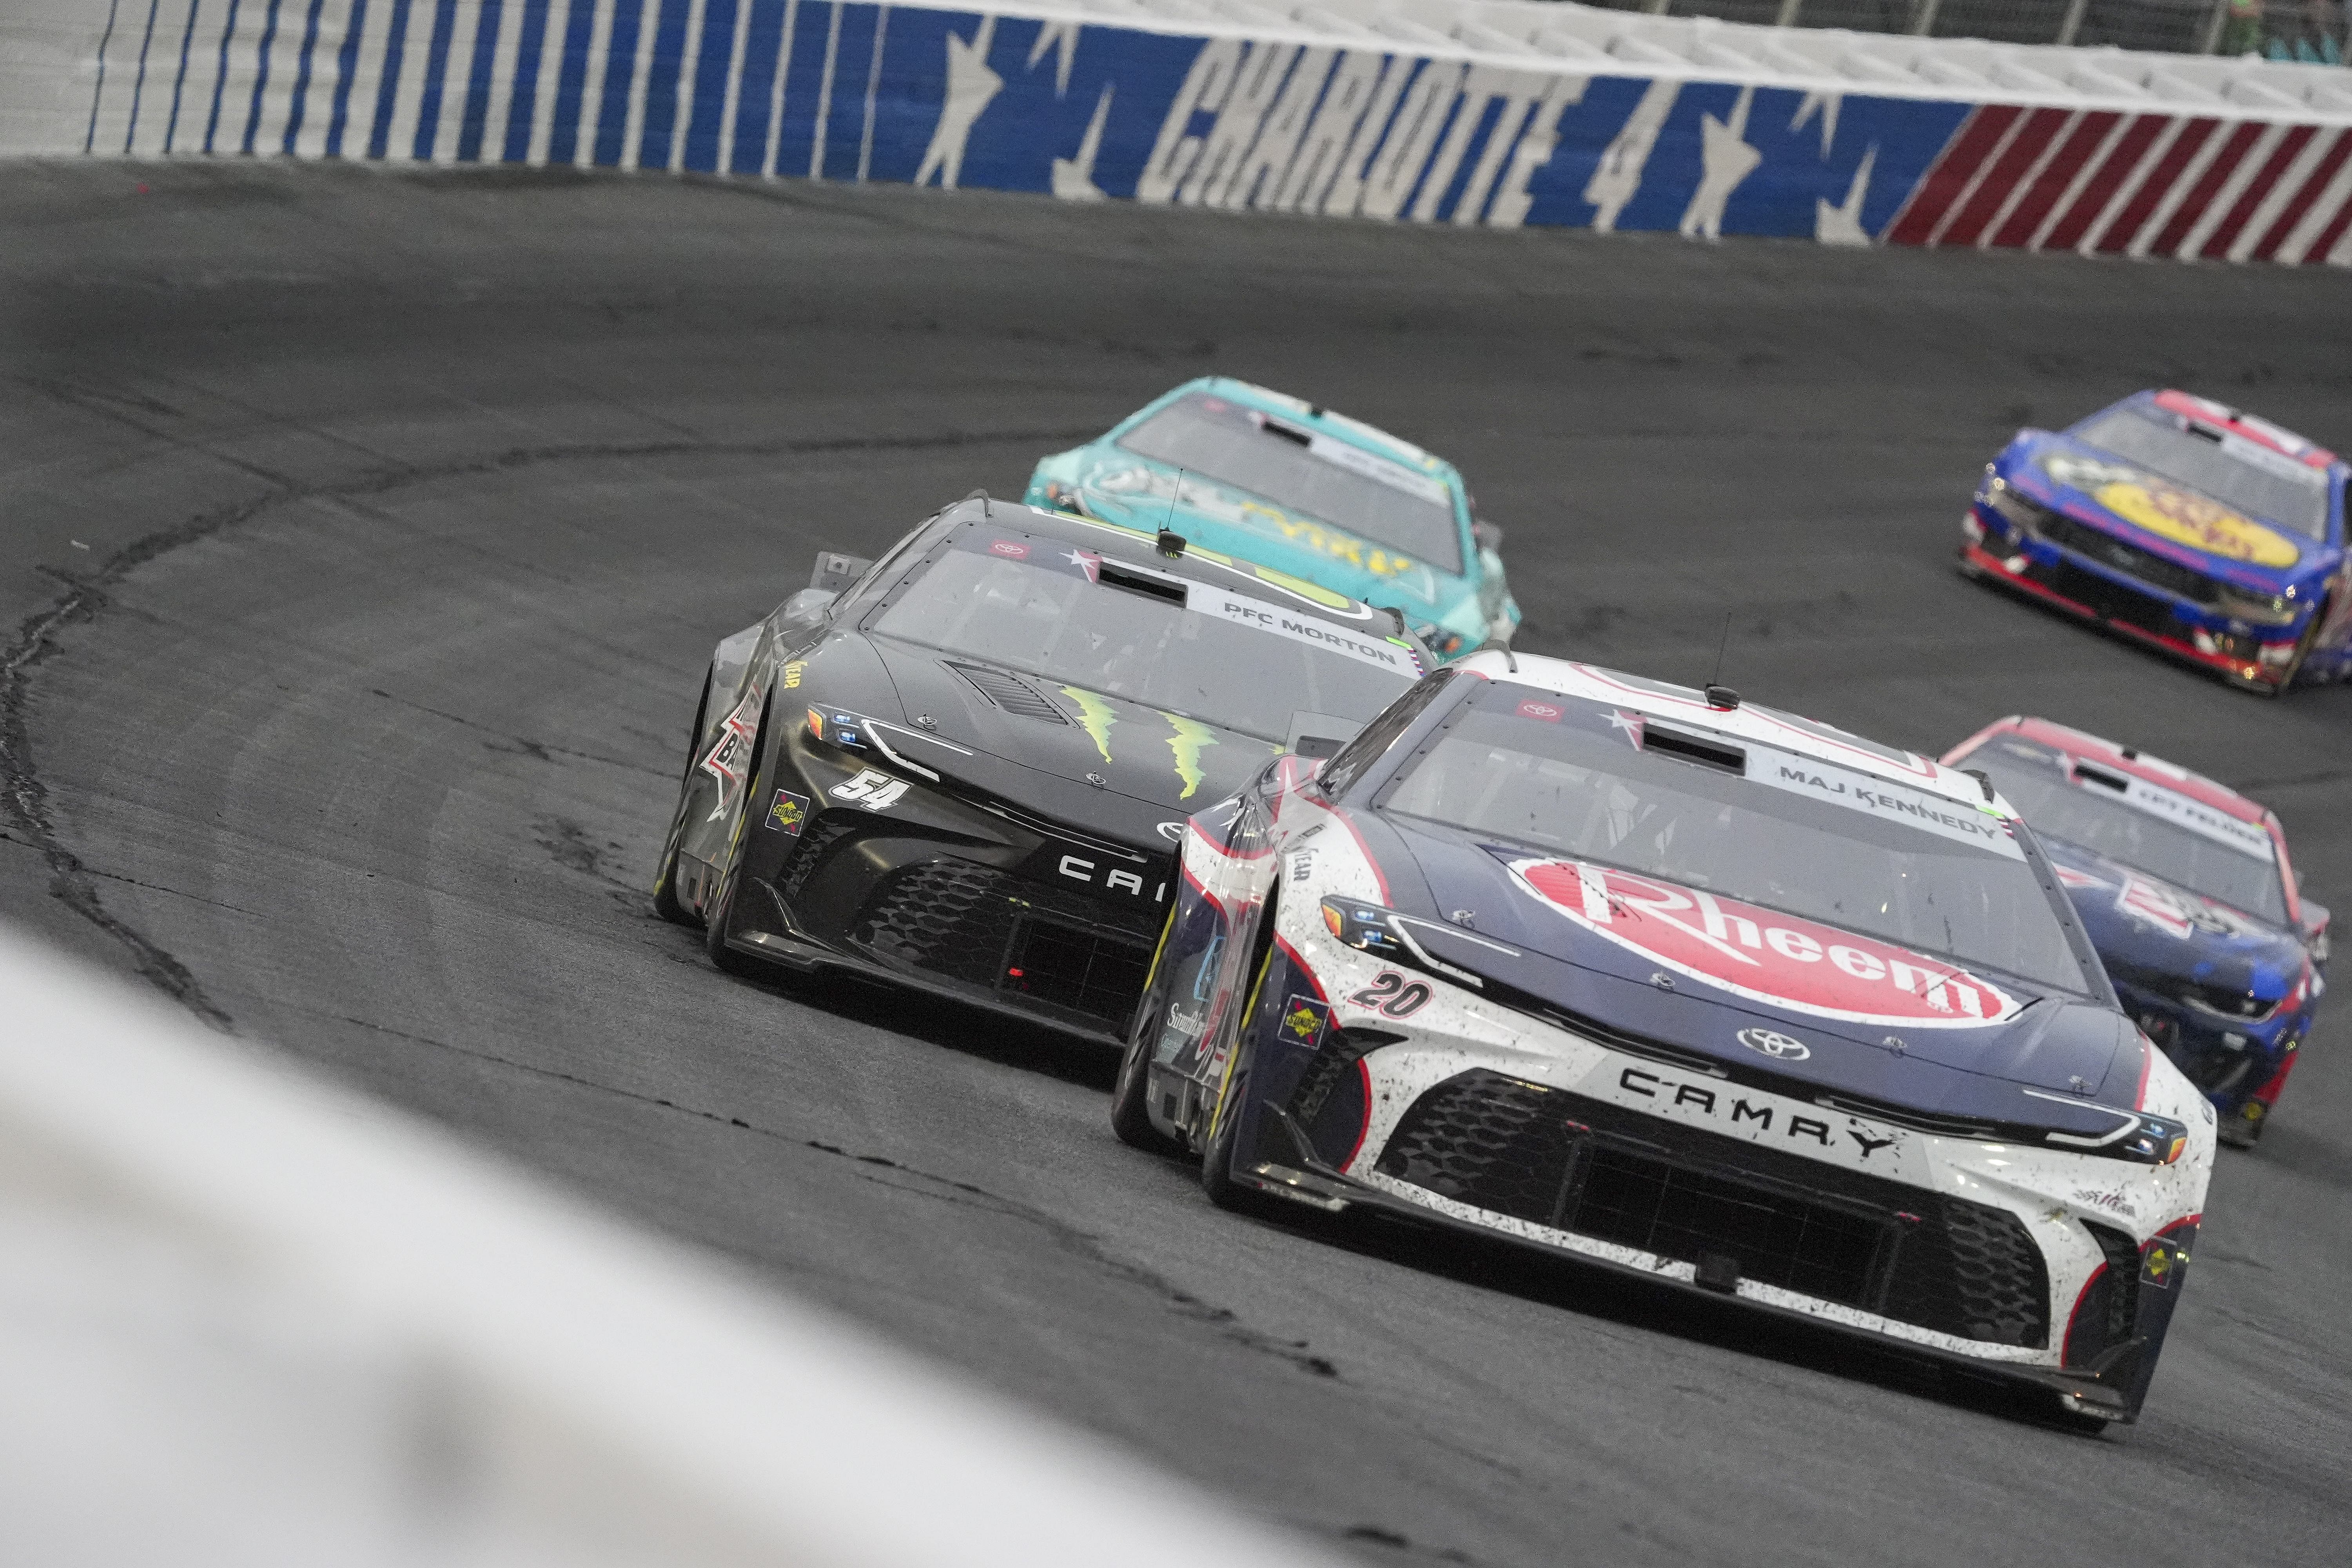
{"x": 1118, "y": 486}
{"x": 1172, "y": 763}
{"x": 2159, "y": 516}
{"x": 1949, "y": 1062}
{"x": 2145, "y": 927}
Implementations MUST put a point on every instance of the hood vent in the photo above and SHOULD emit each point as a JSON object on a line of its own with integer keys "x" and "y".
{"x": 1696, "y": 749}
{"x": 1011, "y": 693}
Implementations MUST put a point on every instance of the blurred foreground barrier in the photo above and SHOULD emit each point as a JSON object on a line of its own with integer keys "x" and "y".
{"x": 246, "y": 1320}
{"x": 1493, "y": 112}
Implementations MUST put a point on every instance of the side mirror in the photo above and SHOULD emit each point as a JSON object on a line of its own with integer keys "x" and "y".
{"x": 2314, "y": 929}
{"x": 803, "y": 612}
{"x": 834, "y": 573}
{"x": 1487, "y": 535}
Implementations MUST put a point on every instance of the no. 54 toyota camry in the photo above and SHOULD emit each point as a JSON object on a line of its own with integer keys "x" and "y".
{"x": 967, "y": 771}
{"x": 1704, "y": 991}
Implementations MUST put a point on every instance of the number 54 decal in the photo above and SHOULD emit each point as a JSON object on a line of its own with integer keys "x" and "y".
{"x": 1392, "y": 995}
{"x": 874, "y": 791}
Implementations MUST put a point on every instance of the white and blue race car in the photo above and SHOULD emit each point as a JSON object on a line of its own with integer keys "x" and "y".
{"x": 1697, "y": 990}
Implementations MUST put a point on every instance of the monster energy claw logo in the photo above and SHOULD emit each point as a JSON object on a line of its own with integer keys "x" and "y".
{"x": 1191, "y": 736}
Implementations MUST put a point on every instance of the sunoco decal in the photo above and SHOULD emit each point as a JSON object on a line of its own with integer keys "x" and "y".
{"x": 1764, "y": 955}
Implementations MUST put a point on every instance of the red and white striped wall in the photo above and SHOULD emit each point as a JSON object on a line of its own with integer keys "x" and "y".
{"x": 2101, "y": 182}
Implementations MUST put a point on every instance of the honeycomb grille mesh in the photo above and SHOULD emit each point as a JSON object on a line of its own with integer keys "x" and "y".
{"x": 1595, "y": 1169}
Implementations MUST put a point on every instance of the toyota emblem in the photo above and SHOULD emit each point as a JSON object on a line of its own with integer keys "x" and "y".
{"x": 1774, "y": 1043}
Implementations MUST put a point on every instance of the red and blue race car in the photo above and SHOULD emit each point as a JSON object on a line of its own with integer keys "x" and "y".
{"x": 2180, "y": 522}
{"x": 2187, "y": 890}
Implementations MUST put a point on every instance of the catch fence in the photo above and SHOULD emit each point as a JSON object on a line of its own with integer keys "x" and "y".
{"x": 2314, "y": 32}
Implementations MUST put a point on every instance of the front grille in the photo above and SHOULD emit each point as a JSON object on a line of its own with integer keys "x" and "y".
{"x": 981, "y": 925}
{"x": 1076, "y": 968}
{"x": 2107, "y": 598}
{"x": 1582, "y": 1165}
{"x": 2130, "y": 559}
{"x": 2109, "y": 1308}
{"x": 809, "y": 853}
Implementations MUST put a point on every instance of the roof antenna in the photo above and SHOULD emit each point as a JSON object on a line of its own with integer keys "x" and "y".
{"x": 1172, "y": 543}
{"x": 981, "y": 497}
{"x": 1719, "y": 696}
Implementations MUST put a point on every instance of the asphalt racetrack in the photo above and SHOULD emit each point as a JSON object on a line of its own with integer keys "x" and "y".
{"x": 364, "y": 535}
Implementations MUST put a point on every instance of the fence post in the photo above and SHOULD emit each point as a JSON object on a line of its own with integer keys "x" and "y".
{"x": 2213, "y": 26}
{"x": 1923, "y": 16}
{"x": 1788, "y": 9}
{"x": 2073, "y": 23}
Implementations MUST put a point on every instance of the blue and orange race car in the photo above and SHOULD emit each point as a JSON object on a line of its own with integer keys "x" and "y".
{"x": 1278, "y": 480}
{"x": 2180, "y": 522}
{"x": 2187, "y": 892}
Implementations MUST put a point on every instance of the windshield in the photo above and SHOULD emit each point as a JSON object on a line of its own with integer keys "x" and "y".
{"x": 1766, "y": 828}
{"x": 2097, "y": 818}
{"x": 2237, "y": 472}
{"x": 1305, "y": 472}
{"x": 1044, "y": 608}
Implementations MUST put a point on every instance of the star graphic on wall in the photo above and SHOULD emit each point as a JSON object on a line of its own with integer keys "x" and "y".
{"x": 972, "y": 88}
{"x": 1630, "y": 723}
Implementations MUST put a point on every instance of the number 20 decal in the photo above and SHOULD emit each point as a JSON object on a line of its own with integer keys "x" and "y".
{"x": 1392, "y": 996}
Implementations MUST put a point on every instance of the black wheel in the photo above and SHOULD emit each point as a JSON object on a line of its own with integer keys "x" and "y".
{"x": 2302, "y": 645}
{"x": 1129, "y": 1098}
{"x": 666, "y": 903}
{"x": 718, "y": 915}
{"x": 1217, "y": 1159}
{"x": 1224, "y": 1120}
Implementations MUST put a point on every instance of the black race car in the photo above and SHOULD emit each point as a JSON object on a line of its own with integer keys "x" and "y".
{"x": 966, "y": 767}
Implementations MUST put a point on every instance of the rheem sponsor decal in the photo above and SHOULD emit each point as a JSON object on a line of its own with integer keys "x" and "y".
{"x": 1763, "y": 954}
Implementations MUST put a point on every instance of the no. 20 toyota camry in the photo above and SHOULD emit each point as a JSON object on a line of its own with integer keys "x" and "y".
{"x": 1704, "y": 991}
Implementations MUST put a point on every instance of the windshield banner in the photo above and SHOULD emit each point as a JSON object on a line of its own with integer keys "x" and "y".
{"x": 1817, "y": 780}
{"x": 2247, "y": 838}
{"x": 1362, "y": 646}
{"x": 1780, "y": 959}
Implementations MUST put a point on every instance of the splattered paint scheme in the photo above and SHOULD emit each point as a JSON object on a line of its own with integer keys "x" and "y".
{"x": 2185, "y": 888}
{"x": 2194, "y": 528}
{"x": 1686, "y": 989}
{"x": 971, "y": 770}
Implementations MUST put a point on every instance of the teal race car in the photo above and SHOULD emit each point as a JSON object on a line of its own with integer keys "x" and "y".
{"x": 1276, "y": 479}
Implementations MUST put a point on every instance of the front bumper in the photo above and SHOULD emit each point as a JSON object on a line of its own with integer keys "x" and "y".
{"x": 2092, "y": 591}
{"x": 2057, "y": 1269}
{"x": 2233, "y": 1062}
{"x": 995, "y": 907}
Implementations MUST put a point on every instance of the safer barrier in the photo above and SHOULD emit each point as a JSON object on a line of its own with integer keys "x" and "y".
{"x": 1498, "y": 113}
{"x": 249, "y": 1319}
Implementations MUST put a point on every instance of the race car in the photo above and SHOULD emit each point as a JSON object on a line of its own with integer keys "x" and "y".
{"x": 2187, "y": 890}
{"x": 1326, "y": 498}
{"x": 1709, "y": 994}
{"x": 965, "y": 767}
{"x": 2182, "y": 524}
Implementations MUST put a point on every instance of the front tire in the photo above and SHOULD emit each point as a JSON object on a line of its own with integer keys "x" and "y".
{"x": 718, "y": 916}
{"x": 666, "y": 901}
{"x": 1131, "y": 1096}
{"x": 1217, "y": 1177}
